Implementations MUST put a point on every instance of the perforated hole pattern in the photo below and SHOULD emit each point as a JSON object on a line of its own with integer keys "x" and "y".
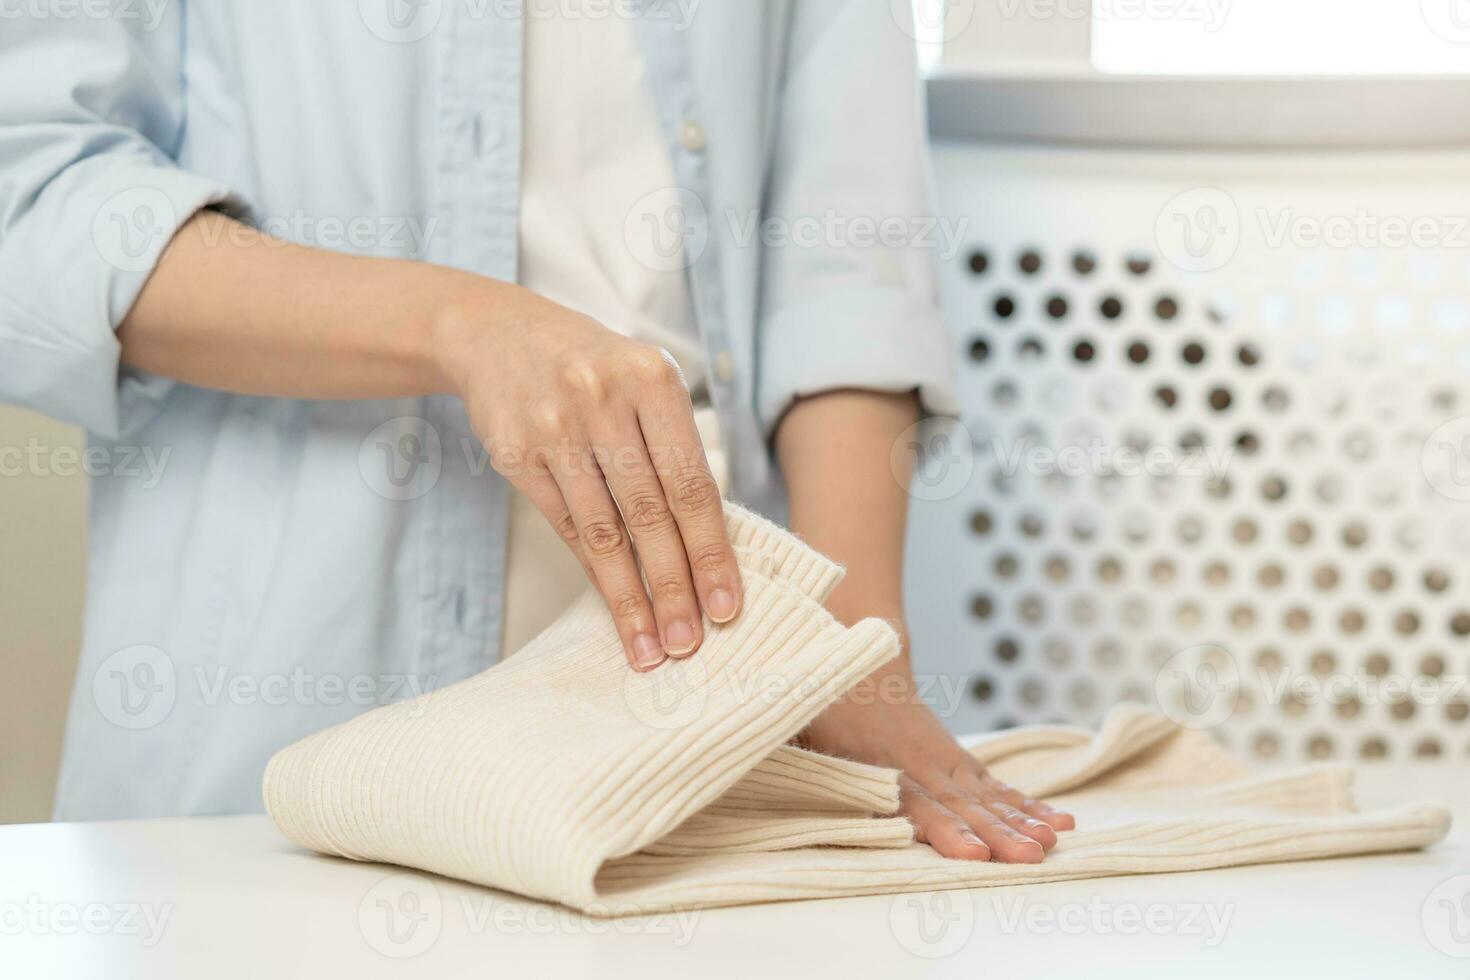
{"x": 1293, "y": 530}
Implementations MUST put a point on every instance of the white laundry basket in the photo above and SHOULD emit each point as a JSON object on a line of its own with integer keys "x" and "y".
{"x": 1279, "y": 339}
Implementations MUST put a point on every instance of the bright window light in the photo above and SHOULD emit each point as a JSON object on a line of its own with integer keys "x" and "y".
{"x": 1278, "y": 37}
{"x": 929, "y": 32}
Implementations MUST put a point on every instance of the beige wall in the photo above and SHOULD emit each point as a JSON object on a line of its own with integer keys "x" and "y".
{"x": 43, "y": 554}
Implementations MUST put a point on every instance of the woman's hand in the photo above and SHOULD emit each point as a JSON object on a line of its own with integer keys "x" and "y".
{"x": 836, "y": 451}
{"x": 956, "y": 807}
{"x": 598, "y": 432}
{"x": 594, "y": 428}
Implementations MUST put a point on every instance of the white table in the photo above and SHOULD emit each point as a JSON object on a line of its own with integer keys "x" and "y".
{"x": 226, "y": 897}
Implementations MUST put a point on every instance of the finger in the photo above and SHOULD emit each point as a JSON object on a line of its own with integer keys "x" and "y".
{"x": 659, "y": 548}
{"x": 1006, "y": 843}
{"x": 667, "y": 421}
{"x": 604, "y": 542}
{"x": 1053, "y": 818}
{"x": 1004, "y": 802}
{"x": 1024, "y": 822}
{"x": 939, "y": 827}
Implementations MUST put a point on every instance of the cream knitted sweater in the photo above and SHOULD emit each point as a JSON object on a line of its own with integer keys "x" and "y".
{"x": 563, "y": 775}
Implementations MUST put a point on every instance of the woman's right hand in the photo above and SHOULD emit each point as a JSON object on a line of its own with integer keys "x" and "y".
{"x": 594, "y": 428}
{"x": 598, "y": 432}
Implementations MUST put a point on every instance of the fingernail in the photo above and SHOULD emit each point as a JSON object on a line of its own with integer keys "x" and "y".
{"x": 647, "y": 653}
{"x": 721, "y": 605}
{"x": 679, "y": 638}
{"x": 968, "y": 836}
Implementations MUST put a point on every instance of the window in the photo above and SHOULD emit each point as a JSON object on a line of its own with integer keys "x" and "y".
{"x": 929, "y": 32}
{"x": 1276, "y": 37}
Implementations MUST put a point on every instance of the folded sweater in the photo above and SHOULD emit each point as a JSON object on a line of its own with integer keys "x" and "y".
{"x": 563, "y": 775}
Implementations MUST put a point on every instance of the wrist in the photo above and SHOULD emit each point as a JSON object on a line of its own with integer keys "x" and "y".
{"x": 456, "y": 328}
{"x": 466, "y": 319}
{"x": 866, "y": 592}
{"x": 849, "y": 610}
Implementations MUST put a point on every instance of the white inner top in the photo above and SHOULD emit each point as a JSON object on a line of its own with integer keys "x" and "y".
{"x": 599, "y": 228}
{"x": 596, "y": 181}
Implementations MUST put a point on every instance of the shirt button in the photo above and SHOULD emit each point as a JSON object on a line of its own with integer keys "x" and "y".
{"x": 724, "y": 366}
{"x": 492, "y": 134}
{"x": 691, "y": 136}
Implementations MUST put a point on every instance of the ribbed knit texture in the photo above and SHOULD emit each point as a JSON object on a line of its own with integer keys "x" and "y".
{"x": 563, "y": 775}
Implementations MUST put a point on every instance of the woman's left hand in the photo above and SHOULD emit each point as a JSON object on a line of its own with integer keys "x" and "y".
{"x": 954, "y": 804}
{"x": 837, "y": 452}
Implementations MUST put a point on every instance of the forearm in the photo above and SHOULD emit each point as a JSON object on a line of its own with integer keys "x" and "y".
{"x": 846, "y": 500}
{"x": 230, "y": 308}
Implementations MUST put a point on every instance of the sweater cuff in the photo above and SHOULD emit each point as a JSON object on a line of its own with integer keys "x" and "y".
{"x": 764, "y": 548}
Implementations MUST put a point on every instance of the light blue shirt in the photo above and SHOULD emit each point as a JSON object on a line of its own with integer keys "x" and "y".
{"x": 261, "y": 568}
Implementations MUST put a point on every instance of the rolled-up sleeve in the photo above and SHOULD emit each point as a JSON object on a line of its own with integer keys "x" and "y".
{"x": 849, "y": 294}
{"x": 89, "y": 198}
